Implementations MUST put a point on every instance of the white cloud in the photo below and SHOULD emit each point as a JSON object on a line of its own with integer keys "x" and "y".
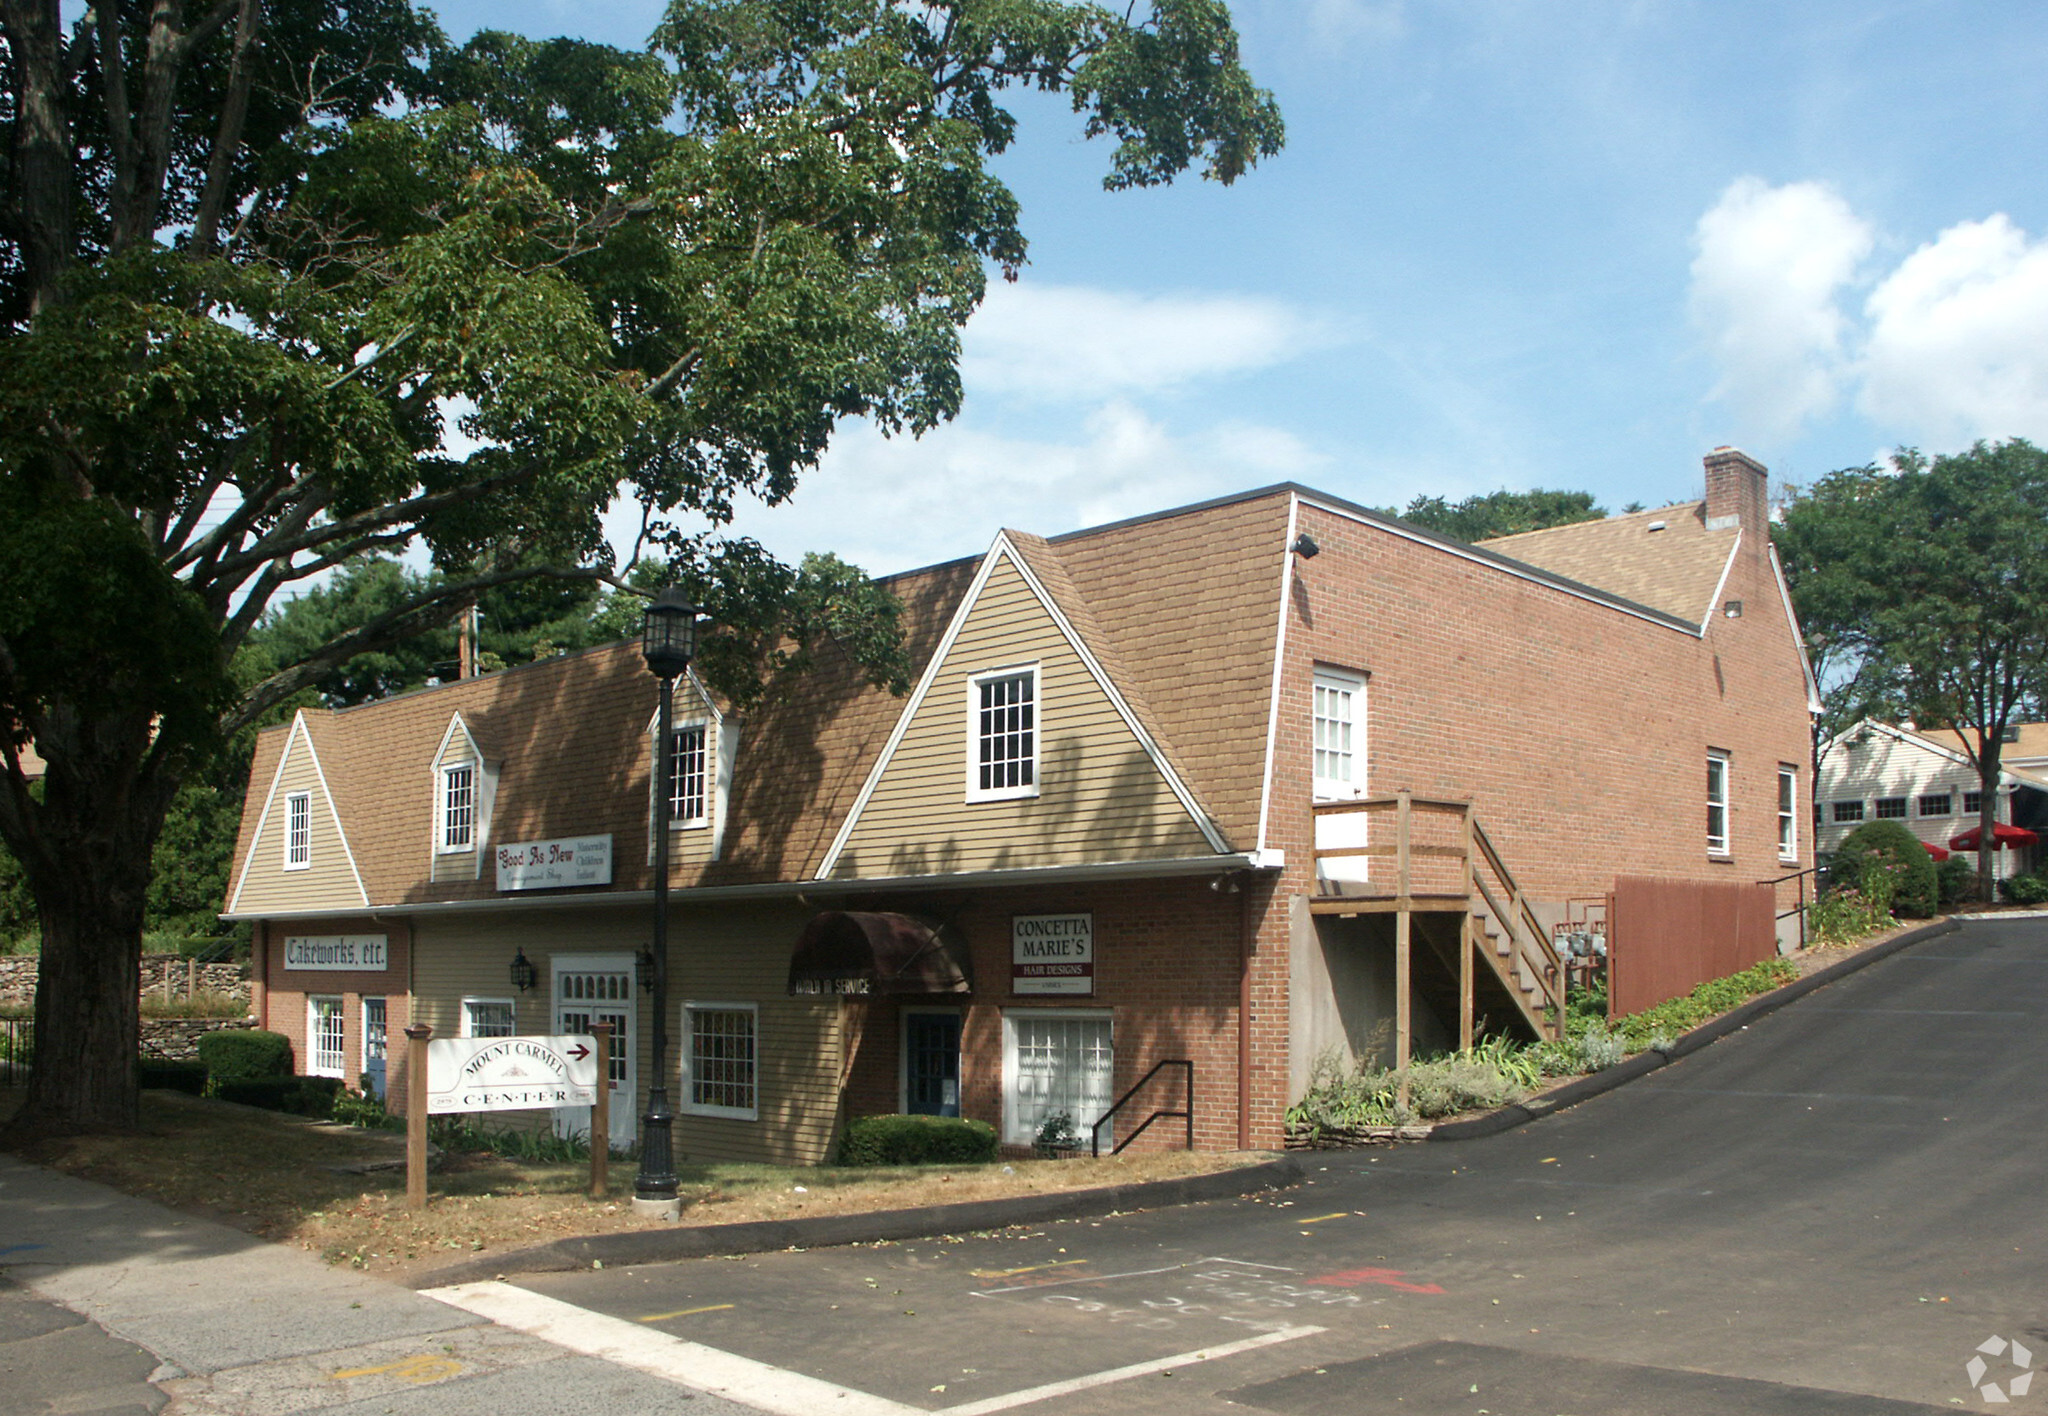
{"x": 1769, "y": 268}
{"x": 1958, "y": 343}
{"x": 1068, "y": 341}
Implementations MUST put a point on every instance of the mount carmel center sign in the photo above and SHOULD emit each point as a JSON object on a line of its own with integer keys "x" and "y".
{"x": 1052, "y": 954}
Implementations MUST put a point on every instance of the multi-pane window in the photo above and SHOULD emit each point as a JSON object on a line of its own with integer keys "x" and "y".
{"x": 1056, "y": 1062}
{"x": 376, "y": 1042}
{"x": 686, "y": 776}
{"x": 585, "y": 999}
{"x": 1788, "y": 818}
{"x": 325, "y": 1046}
{"x": 1847, "y": 810}
{"x": 1890, "y": 808}
{"x": 458, "y": 807}
{"x": 298, "y": 830}
{"x": 721, "y": 1059}
{"x": 1937, "y": 804}
{"x": 488, "y": 1017}
{"x": 1973, "y": 803}
{"x": 1336, "y": 728}
{"x": 1003, "y": 735}
{"x": 1717, "y": 803}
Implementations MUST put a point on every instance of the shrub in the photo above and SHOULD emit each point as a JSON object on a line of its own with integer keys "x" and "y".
{"x": 1340, "y": 1098}
{"x": 300, "y": 1096}
{"x": 1843, "y": 916}
{"x": 535, "y": 1147}
{"x": 1890, "y": 866}
{"x": 244, "y": 1055}
{"x": 1956, "y": 880}
{"x": 916, "y": 1140}
{"x": 187, "y": 1077}
{"x": 2026, "y": 889}
{"x": 205, "y": 1003}
{"x": 363, "y": 1107}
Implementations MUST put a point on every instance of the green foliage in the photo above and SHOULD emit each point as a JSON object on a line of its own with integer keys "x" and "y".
{"x": 538, "y": 1147}
{"x": 201, "y": 1003}
{"x": 361, "y": 1106}
{"x": 2025, "y": 889}
{"x": 1344, "y": 1098}
{"x": 1676, "y": 1016}
{"x": 1501, "y": 513}
{"x": 1956, "y": 880}
{"x": 244, "y": 1055}
{"x": 916, "y": 1140}
{"x": 1844, "y": 915}
{"x": 1887, "y": 863}
{"x": 187, "y": 1077}
{"x": 297, "y": 1096}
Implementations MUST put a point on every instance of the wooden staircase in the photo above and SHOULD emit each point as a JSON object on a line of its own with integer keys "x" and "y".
{"x": 1444, "y": 864}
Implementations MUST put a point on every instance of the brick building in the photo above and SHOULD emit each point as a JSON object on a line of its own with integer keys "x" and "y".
{"x": 1237, "y": 784}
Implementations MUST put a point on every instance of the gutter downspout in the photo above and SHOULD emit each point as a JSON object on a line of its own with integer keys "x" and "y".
{"x": 1244, "y": 1017}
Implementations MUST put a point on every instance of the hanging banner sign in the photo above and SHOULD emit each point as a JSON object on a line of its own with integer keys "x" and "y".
{"x": 1052, "y": 953}
{"x": 550, "y": 865}
{"x": 510, "y": 1073}
{"x": 337, "y": 953}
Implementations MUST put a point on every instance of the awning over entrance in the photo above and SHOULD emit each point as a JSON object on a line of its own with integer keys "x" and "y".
{"x": 860, "y": 952}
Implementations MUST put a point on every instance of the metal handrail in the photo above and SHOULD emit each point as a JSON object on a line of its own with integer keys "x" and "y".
{"x": 1095, "y": 1131}
{"x": 1800, "y": 908}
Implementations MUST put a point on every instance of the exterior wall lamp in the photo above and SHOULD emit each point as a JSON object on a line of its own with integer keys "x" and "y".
{"x": 524, "y": 975}
{"x": 668, "y": 641}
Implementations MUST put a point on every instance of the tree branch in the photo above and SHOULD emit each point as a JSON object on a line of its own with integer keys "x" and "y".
{"x": 227, "y": 141}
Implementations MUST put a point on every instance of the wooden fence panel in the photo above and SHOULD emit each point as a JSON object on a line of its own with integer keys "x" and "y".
{"x": 1666, "y": 937}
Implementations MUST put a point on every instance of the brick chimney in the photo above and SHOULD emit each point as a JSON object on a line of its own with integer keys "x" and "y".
{"x": 1736, "y": 492}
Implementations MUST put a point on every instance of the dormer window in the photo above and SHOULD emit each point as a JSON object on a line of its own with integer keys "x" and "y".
{"x": 458, "y": 807}
{"x": 688, "y": 798}
{"x": 298, "y": 830}
{"x": 1002, "y": 734}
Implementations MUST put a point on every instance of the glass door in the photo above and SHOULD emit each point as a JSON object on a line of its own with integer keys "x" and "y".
{"x": 374, "y": 1048}
{"x": 592, "y": 989}
{"x": 931, "y": 1064}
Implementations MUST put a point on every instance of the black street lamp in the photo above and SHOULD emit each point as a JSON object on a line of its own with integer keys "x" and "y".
{"x": 668, "y": 639}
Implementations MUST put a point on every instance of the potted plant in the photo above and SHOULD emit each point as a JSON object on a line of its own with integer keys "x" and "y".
{"x": 1056, "y": 1138}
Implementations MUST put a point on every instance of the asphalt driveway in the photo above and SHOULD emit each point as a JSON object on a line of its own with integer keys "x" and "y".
{"x": 1834, "y": 1210}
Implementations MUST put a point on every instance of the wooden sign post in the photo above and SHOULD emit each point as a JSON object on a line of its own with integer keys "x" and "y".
{"x": 601, "y": 1116}
{"x": 416, "y": 1039}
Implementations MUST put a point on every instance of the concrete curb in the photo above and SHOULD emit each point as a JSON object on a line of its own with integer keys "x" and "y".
{"x": 658, "y": 1246}
{"x": 1643, "y": 1063}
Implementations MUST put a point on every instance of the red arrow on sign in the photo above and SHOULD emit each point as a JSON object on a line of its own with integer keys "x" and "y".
{"x": 579, "y": 1052}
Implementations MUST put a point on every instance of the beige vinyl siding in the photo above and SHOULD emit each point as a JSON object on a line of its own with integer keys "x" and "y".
{"x": 456, "y": 865}
{"x": 737, "y": 955}
{"x": 693, "y": 847}
{"x": 1101, "y": 797}
{"x": 327, "y": 882}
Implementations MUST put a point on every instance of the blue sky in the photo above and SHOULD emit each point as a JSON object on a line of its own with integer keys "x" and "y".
{"x": 1508, "y": 245}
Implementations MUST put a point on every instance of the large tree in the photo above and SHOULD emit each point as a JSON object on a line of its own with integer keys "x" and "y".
{"x": 265, "y": 260}
{"x": 1922, "y": 587}
{"x": 1501, "y": 513}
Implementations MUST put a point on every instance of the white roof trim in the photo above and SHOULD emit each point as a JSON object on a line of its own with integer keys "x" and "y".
{"x": 455, "y": 722}
{"x": 1279, "y": 664}
{"x": 297, "y": 732}
{"x": 1727, "y": 566}
{"x": 1002, "y": 549}
{"x": 690, "y": 674}
{"x": 1507, "y": 565}
{"x": 1813, "y": 701}
{"x": 1912, "y": 739}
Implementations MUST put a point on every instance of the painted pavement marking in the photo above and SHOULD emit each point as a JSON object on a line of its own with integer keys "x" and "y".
{"x": 420, "y": 1371}
{"x": 683, "y": 1313}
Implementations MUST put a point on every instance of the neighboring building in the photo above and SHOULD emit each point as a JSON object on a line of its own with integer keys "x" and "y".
{"x": 1085, "y": 843}
{"x": 1923, "y": 780}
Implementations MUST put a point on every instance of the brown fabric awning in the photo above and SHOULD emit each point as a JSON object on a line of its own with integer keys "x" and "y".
{"x": 858, "y": 952}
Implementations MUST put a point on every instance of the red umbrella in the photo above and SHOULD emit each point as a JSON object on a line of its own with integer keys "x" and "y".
{"x": 2003, "y": 837}
{"x": 1936, "y": 851}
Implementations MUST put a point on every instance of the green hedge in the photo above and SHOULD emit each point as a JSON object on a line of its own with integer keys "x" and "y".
{"x": 1957, "y": 879}
{"x": 2025, "y": 889}
{"x": 916, "y": 1140}
{"x": 244, "y": 1055}
{"x": 301, "y": 1096}
{"x": 1887, "y": 847}
{"x": 173, "y": 1076}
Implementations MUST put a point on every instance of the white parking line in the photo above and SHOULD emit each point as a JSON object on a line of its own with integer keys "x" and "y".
{"x": 758, "y": 1384}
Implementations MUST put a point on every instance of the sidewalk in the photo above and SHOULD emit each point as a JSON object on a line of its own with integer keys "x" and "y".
{"x": 223, "y": 1324}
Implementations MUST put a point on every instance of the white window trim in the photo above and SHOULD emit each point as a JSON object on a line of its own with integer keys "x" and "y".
{"x": 292, "y": 802}
{"x": 313, "y": 1067}
{"x": 975, "y": 792}
{"x": 363, "y": 1042}
{"x": 1722, "y": 849}
{"x": 1788, "y": 813}
{"x": 685, "y": 1105}
{"x": 473, "y": 1000}
{"x": 1012, "y": 1133}
{"x": 703, "y": 822}
{"x": 1835, "y": 819}
{"x": 1353, "y": 684}
{"x": 441, "y": 804}
{"x": 1920, "y": 800}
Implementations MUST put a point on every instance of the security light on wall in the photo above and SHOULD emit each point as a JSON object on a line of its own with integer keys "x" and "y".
{"x": 524, "y": 975}
{"x": 1733, "y": 609}
{"x": 1305, "y": 546}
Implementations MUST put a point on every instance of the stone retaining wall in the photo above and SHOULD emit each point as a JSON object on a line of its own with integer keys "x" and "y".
{"x": 18, "y": 978}
{"x": 177, "y": 1039}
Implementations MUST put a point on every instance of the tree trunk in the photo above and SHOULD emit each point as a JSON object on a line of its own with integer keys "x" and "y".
{"x": 88, "y": 1014}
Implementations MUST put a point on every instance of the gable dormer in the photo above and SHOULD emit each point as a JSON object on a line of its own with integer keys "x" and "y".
{"x": 706, "y": 740}
{"x": 465, "y": 788}
{"x": 299, "y": 858}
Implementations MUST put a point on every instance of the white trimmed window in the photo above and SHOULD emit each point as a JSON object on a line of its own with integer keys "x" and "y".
{"x": 1973, "y": 803}
{"x": 1055, "y": 1060}
{"x": 720, "y": 1060}
{"x": 1717, "y": 803}
{"x": 1938, "y": 804}
{"x": 458, "y": 807}
{"x": 1847, "y": 811}
{"x": 298, "y": 830}
{"x": 1337, "y": 719}
{"x": 687, "y": 776}
{"x": 489, "y": 1017}
{"x": 1890, "y": 808}
{"x": 1002, "y": 734}
{"x": 1788, "y": 812}
{"x": 326, "y": 1048}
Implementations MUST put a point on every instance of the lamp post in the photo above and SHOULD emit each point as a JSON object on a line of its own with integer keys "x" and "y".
{"x": 668, "y": 639}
